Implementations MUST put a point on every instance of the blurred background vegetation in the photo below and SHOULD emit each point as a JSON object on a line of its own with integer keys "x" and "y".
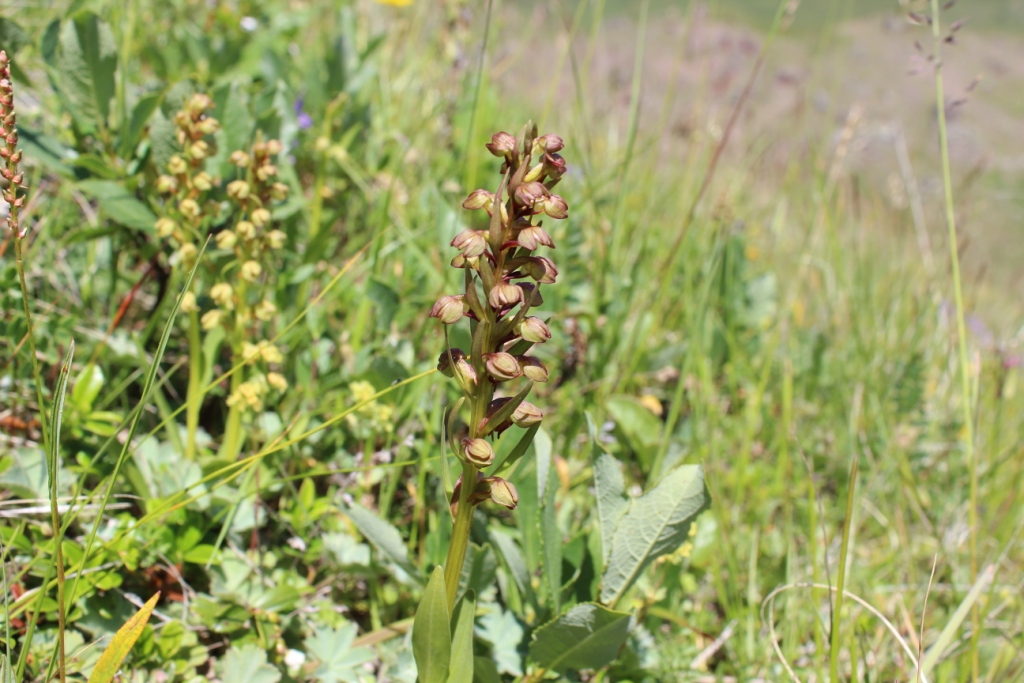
{"x": 774, "y": 308}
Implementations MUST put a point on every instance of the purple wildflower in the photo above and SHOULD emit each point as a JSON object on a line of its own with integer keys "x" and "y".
{"x": 304, "y": 120}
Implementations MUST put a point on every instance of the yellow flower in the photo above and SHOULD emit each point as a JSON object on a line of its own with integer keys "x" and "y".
{"x": 211, "y": 319}
{"x": 277, "y": 381}
{"x": 395, "y": 3}
{"x": 188, "y": 303}
{"x": 226, "y": 239}
{"x": 223, "y": 295}
{"x": 265, "y": 310}
{"x": 251, "y": 271}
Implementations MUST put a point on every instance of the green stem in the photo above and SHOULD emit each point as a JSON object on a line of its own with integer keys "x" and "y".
{"x": 833, "y": 664}
{"x": 193, "y": 401}
{"x": 965, "y": 382}
{"x": 36, "y": 374}
{"x": 459, "y": 542}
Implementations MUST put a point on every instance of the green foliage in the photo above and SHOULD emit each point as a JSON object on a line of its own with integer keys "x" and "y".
{"x": 588, "y": 636}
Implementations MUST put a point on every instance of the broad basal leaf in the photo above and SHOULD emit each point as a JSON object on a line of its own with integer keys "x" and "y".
{"x": 588, "y": 636}
{"x": 656, "y": 523}
{"x": 247, "y": 664}
{"x": 338, "y": 660}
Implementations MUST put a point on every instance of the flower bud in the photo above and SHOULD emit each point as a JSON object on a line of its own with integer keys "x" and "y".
{"x": 202, "y": 181}
{"x": 533, "y": 369}
{"x": 260, "y": 217}
{"x": 501, "y": 144}
{"x": 500, "y": 491}
{"x": 187, "y": 253}
{"x": 211, "y": 319}
{"x": 549, "y": 143}
{"x": 479, "y": 199}
{"x": 198, "y": 103}
{"x": 166, "y": 184}
{"x": 265, "y": 310}
{"x": 251, "y": 270}
{"x": 502, "y": 366}
{"x": 177, "y": 165}
{"x": 223, "y": 295}
{"x": 478, "y": 452}
{"x": 250, "y": 352}
{"x": 279, "y": 191}
{"x": 277, "y": 381}
{"x": 555, "y": 207}
{"x": 165, "y": 227}
{"x": 444, "y": 361}
{"x": 270, "y": 353}
{"x": 265, "y": 172}
{"x": 188, "y": 303}
{"x": 189, "y": 208}
{"x": 199, "y": 149}
{"x": 274, "y": 147}
{"x": 533, "y": 330}
{"x": 460, "y": 261}
{"x": 528, "y": 194}
{"x": 527, "y": 415}
{"x": 504, "y": 294}
{"x": 449, "y": 309}
{"x": 275, "y": 239}
{"x": 554, "y": 166}
{"x": 245, "y": 230}
{"x": 239, "y": 158}
{"x": 471, "y": 242}
{"x": 226, "y": 239}
{"x": 238, "y": 190}
{"x": 208, "y": 126}
{"x": 534, "y": 236}
{"x": 541, "y": 269}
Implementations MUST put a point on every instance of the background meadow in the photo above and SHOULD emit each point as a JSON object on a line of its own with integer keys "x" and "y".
{"x": 755, "y": 276}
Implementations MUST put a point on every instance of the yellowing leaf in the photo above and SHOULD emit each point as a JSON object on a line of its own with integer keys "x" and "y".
{"x": 110, "y": 661}
{"x": 395, "y": 3}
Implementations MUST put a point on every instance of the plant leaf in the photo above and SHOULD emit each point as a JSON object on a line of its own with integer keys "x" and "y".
{"x": 505, "y": 634}
{"x": 247, "y": 664}
{"x": 431, "y": 632}
{"x": 85, "y": 63}
{"x": 514, "y": 560}
{"x": 384, "y": 537}
{"x": 460, "y": 667}
{"x": 638, "y": 424}
{"x": 611, "y": 503}
{"x": 332, "y": 647}
{"x": 587, "y": 636}
{"x": 657, "y": 523}
{"x": 121, "y": 644}
{"x": 551, "y": 540}
{"x": 120, "y": 205}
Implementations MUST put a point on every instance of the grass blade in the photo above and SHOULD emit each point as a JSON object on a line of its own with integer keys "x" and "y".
{"x": 121, "y": 644}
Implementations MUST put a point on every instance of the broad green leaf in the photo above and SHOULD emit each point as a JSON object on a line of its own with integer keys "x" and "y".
{"x": 119, "y": 204}
{"x": 247, "y": 664}
{"x": 551, "y": 540}
{"x": 141, "y": 114}
{"x": 339, "y": 661}
{"x": 542, "y": 456}
{"x": 501, "y": 468}
{"x": 611, "y": 501}
{"x": 85, "y": 62}
{"x": 588, "y": 636}
{"x": 505, "y": 634}
{"x": 384, "y": 537}
{"x": 460, "y": 667}
{"x": 121, "y": 644}
{"x": 87, "y": 387}
{"x": 656, "y": 523}
{"x": 431, "y": 632}
{"x": 639, "y": 425}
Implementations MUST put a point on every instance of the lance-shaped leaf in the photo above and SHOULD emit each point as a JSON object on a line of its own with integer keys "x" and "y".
{"x": 655, "y": 524}
{"x": 384, "y": 537}
{"x": 460, "y": 668}
{"x": 121, "y": 644}
{"x": 431, "y": 632}
{"x": 587, "y": 636}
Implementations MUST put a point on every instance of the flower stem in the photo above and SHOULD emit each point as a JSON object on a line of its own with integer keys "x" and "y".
{"x": 459, "y": 542}
{"x": 195, "y": 384}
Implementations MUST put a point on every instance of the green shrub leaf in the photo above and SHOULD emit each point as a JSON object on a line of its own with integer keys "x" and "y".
{"x": 655, "y": 524}
{"x": 119, "y": 204}
{"x": 85, "y": 62}
{"x": 611, "y": 501}
{"x": 587, "y": 636}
